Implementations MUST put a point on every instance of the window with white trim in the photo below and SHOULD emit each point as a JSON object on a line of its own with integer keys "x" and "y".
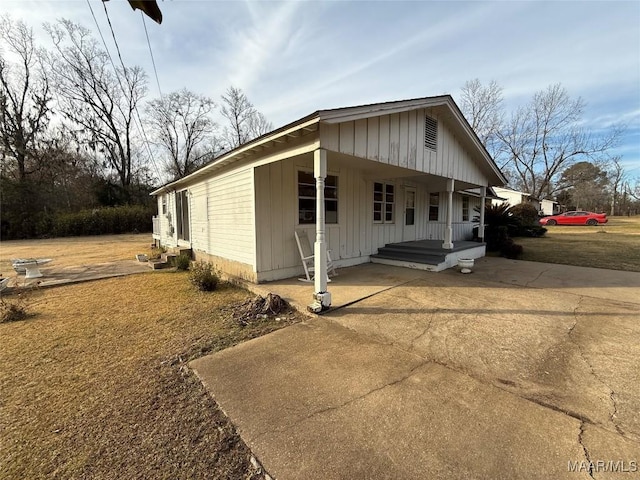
{"x": 434, "y": 206}
{"x": 384, "y": 198}
{"x": 465, "y": 208}
{"x": 307, "y": 198}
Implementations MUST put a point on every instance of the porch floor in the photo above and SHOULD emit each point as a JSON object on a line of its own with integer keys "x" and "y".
{"x": 427, "y": 254}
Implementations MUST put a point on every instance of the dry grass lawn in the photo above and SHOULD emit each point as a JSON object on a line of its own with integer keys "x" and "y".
{"x": 72, "y": 251}
{"x": 95, "y": 383}
{"x": 615, "y": 245}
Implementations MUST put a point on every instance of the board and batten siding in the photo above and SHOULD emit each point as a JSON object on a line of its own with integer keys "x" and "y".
{"x": 355, "y": 237}
{"x": 222, "y": 216}
{"x": 398, "y": 139}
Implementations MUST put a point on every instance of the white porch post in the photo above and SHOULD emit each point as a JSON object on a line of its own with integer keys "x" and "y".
{"x": 322, "y": 298}
{"x": 448, "y": 231}
{"x": 483, "y": 199}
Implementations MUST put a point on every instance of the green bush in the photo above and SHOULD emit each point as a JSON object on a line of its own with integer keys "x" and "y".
{"x": 525, "y": 213}
{"x": 183, "y": 261}
{"x": 102, "y": 221}
{"x": 203, "y": 276}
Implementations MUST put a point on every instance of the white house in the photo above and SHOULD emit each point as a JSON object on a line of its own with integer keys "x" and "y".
{"x": 384, "y": 173}
{"x": 549, "y": 207}
{"x": 510, "y": 196}
{"x": 513, "y": 197}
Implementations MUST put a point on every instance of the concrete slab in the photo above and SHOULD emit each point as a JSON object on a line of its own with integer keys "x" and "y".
{"x": 319, "y": 401}
{"x": 592, "y": 282}
{"x": 518, "y": 370}
{"x": 54, "y": 275}
{"x": 350, "y": 285}
{"x": 578, "y": 354}
{"x": 355, "y": 283}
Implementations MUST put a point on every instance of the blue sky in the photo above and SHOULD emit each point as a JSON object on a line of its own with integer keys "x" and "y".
{"x": 295, "y": 58}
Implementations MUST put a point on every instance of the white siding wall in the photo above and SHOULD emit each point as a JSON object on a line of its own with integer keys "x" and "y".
{"x": 222, "y": 216}
{"x": 398, "y": 139}
{"x": 511, "y": 197}
{"x": 355, "y": 237}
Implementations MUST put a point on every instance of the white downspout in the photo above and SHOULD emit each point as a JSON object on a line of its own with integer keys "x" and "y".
{"x": 448, "y": 232}
{"x": 321, "y": 297}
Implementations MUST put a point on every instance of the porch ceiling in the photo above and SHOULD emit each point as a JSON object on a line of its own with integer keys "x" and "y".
{"x": 380, "y": 171}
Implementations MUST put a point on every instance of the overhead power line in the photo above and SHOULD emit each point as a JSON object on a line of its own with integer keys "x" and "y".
{"x": 153, "y": 62}
{"x": 138, "y": 123}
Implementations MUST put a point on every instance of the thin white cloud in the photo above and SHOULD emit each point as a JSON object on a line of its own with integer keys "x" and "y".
{"x": 253, "y": 47}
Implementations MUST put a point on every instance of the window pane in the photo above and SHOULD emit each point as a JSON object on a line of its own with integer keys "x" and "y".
{"x": 331, "y": 181}
{"x": 411, "y": 199}
{"x": 306, "y": 177}
{"x": 331, "y": 192}
{"x": 433, "y": 214}
{"x": 389, "y": 189}
{"x": 377, "y": 187}
{"x": 377, "y": 216}
{"x": 388, "y": 212}
{"x": 307, "y": 211}
{"x": 306, "y": 191}
{"x": 330, "y": 211}
{"x": 389, "y": 198}
{"x": 409, "y": 216}
{"x": 377, "y": 196}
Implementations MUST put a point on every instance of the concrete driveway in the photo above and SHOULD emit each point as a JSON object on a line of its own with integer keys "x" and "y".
{"x": 518, "y": 370}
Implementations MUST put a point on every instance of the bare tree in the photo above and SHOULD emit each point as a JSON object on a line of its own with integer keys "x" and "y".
{"x": 183, "y": 128}
{"x": 24, "y": 101}
{"x": 483, "y": 108}
{"x": 616, "y": 176}
{"x": 545, "y": 137}
{"x": 245, "y": 122}
{"x": 100, "y": 102}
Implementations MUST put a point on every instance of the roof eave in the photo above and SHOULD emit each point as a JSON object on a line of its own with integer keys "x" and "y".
{"x": 241, "y": 152}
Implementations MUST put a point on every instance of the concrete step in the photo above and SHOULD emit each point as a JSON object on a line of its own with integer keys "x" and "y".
{"x": 158, "y": 264}
{"x": 408, "y": 256}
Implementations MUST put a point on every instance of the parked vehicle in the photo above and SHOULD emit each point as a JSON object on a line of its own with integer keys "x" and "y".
{"x": 575, "y": 218}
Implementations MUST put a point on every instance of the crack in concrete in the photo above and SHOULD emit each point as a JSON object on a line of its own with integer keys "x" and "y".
{"x": 425, "y": 331}
{"x": 614, "y": 414}
{"x": 528, "y": 284}
{"x": 614, "y": 403}
{"x": 344, "y": 404}
{"x": 587, "y": 456}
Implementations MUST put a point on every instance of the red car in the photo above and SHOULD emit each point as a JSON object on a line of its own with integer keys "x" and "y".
{"x": 575, "y": 218}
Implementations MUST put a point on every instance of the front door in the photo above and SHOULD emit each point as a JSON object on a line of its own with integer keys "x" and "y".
{"x": 409, "y": 229}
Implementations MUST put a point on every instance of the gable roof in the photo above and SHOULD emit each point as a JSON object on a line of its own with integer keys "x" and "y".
{"x": 336, "y": 115}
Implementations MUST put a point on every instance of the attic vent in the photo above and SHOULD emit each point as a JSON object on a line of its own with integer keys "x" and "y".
{"x": 430, "y": 133}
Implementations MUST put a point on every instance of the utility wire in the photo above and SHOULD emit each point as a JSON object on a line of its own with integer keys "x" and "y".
{"x": 153, "y": 62}
{"x": 138, "y": 124}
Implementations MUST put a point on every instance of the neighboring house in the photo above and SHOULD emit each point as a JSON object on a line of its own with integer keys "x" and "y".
{"x": 513, "y": 197}
{"x": 549, "y": 207}
{"x": 392, "y": 172}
